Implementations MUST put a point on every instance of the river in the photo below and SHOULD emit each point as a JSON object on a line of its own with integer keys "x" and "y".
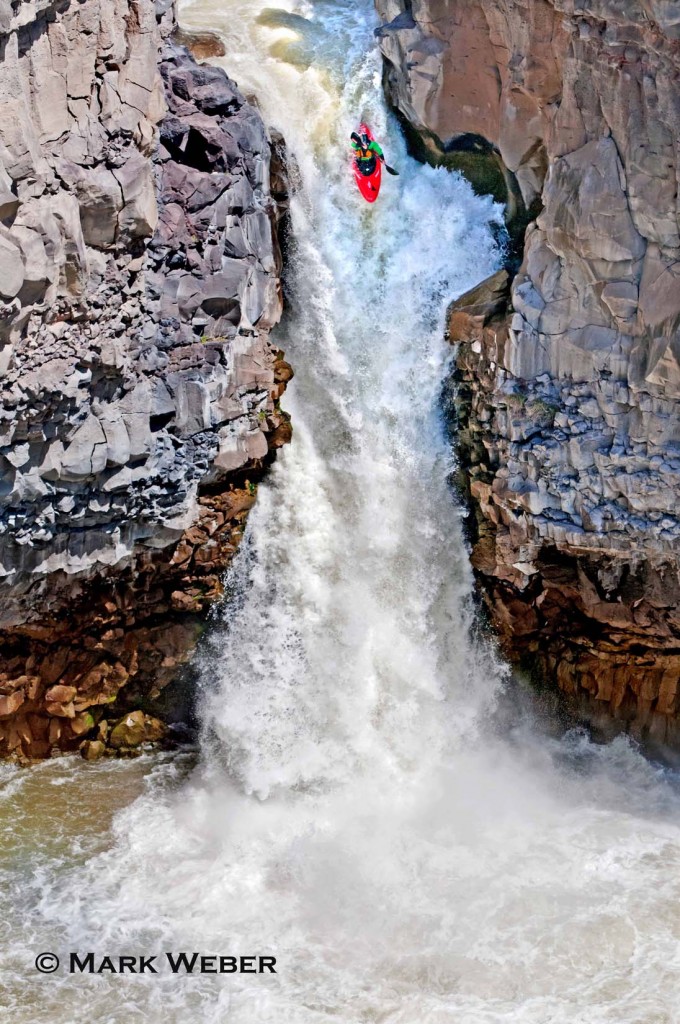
{"x": 360, "y": 807}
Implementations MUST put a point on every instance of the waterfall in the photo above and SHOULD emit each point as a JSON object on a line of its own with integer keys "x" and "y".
{"x": 354, "y": 813}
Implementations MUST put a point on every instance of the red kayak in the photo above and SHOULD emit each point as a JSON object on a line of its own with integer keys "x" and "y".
{"x": 369, "y": 183}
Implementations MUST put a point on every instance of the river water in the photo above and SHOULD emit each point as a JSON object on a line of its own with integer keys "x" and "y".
{"x": 358, "y": 809}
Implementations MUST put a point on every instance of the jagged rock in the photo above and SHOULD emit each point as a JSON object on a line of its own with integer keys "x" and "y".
{"x": 139, "y": 280}
{"x": 11, "y": 269}
{"x": 10, "y": 703}
{"x": 61, "y": 694}
{"x": 567, "y": 400}
{"x": 208, "y": 88}
{"x": 139, "y": 214}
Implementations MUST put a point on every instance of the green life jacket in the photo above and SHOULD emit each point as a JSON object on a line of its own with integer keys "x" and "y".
{"x": 368, "y": 153}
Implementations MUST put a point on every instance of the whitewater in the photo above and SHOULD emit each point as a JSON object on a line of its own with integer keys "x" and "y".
{"x": 363, "y": 807}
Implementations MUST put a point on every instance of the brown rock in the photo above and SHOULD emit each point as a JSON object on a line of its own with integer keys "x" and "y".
{"x": 129, "y": 731}
{"x": 203, "y": 45}
{"x": 281, "y": 435}
{"x": 101, "y": 684}
{"x": 92, "y": 750}
{"x": 61, "y": 694}
{"x": 52, "y": 667}
{"x": 61, "y": 710}
{"x": 183, "y": 602}
{"x": 155, "y": 729}
{"x": 283, "y": 371}
{"x": 11, "y": 703}
{"x": 134, "y": 729}
{"x": 82, "y": 723}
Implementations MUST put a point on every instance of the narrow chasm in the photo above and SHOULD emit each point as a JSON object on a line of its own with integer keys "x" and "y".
{"x": 565, "y": 385}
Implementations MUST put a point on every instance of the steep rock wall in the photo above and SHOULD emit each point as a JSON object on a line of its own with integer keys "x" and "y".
{"x": 139, "y": 279}
{"x": 569, "y": 370}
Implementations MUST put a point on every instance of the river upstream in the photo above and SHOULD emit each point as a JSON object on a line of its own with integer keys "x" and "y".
{"x": 358, "y": 810}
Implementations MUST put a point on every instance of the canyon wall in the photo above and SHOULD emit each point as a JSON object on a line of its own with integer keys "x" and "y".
{"x": 140, "y": 197}
{"x": 568, "y": 362}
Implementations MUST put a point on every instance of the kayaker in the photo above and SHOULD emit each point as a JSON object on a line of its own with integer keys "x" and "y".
{"x": 365, "y": 151}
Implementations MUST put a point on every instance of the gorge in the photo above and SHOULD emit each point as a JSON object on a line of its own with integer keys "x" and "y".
{"x": 373, "y": 799}
{"x": 568, "y": 366}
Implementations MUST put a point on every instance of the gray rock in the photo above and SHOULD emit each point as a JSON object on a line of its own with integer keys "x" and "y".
{"x": 11, "y": 269}
{"x": 131, "y": 336}
{"x": 570, "y": 422}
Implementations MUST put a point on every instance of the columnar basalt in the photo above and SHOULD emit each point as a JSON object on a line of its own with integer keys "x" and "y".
{"x": 568, "y": 371}
{"x": 139, "y": 280}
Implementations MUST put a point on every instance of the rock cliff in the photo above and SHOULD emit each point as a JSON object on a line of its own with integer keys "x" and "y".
{"x": 568, "y": 366}
{"x": 140, "y": 196}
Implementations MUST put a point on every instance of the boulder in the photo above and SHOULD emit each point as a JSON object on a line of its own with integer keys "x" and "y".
{"x": 82, "y": 723}
{"x": 61, "y": 694}
{"x": 207, "y": 87}
{"x": 134, "y": 729}
{"x": 92, "y": 750}
{"x": 100, "y": 200}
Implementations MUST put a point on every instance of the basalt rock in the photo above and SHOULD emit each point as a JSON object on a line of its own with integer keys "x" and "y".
{"x": 568, "y": 368}
{"x": 141, "y": 199}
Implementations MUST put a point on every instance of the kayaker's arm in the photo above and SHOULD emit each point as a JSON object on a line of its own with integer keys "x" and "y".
{"x": 377, "y": 149}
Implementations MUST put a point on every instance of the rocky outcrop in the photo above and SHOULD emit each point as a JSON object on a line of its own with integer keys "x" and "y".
{"x": 139, "y": 280}
{"x": 569, "y": 369}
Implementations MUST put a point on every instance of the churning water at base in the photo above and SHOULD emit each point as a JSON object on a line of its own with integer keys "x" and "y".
{"x": 353, "y": 813}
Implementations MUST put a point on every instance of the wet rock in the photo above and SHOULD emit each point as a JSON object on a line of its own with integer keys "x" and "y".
{"x": 92, "y": 750}
{"x": 202, "y": 45}
{"x": 134, "y": 729}
{"x": 574, "y": 538}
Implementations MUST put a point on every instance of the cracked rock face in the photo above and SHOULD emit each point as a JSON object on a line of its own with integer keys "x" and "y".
{"x": 139, "y": 281}
{"x": 569, "y": 371}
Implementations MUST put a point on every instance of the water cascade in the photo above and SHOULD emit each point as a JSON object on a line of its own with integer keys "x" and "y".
{"x": 355, "y": 812}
